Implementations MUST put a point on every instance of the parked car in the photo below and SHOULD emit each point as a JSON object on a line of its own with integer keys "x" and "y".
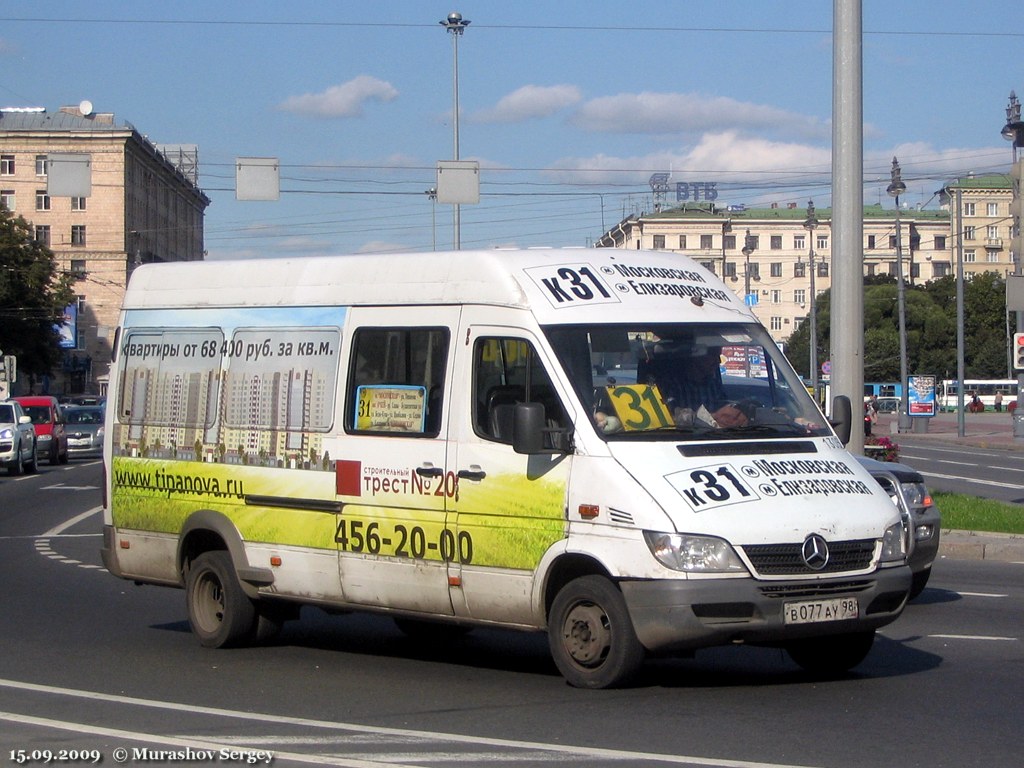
{"x": 48, "y": 419}
{"x": 906, "y": 488}
{"x": 17, "y": 439}
{"x": 84, "y": 424}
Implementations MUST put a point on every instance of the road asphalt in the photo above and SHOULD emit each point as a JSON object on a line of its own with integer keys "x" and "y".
{"x": 989, "y": 430}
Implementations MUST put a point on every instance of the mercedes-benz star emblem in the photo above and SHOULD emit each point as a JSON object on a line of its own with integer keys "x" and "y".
{"x": 815, "y": 552}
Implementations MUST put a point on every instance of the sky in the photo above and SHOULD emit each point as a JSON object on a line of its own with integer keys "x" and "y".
{"x": 569, "y": 107}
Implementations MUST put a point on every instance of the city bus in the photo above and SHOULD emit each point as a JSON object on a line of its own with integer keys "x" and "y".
{"x": 985, "y": 389}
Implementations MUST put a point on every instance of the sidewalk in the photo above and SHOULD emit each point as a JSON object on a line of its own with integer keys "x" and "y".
{"x": 981, "y": 430}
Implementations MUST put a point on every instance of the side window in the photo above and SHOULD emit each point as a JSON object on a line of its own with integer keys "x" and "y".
{"x": 396, "y": 381}
{"x": 507, "y": 371}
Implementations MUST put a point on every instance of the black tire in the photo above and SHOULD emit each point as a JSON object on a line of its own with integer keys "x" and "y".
{"x": 16, "y": 467}
{"x": 831, "y": 654}
{"x": 54, "y": 456}
{"x": 918, "y": 582}
{"x": 32, "y": 465}
{"x": 220, "y": 613}
{"x": 591, "y": 636}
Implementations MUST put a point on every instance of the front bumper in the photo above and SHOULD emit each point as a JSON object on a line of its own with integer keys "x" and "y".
{"x": 673, "y": 616}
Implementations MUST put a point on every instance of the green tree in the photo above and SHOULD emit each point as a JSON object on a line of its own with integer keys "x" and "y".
{"x": 931, "y": 329}
{"x": 33, "y": 297}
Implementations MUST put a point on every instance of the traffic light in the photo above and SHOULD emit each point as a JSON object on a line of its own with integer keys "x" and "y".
{"x": 1018, "y": 351}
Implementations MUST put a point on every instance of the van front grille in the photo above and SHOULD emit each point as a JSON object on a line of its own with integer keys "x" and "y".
{"x": 787, "y": 559}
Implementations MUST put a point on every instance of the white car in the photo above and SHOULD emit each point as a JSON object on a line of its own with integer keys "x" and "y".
{"x": 17, "y": 439}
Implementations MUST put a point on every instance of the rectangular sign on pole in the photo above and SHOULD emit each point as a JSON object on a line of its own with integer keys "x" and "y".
{"x": 921, "y": 396}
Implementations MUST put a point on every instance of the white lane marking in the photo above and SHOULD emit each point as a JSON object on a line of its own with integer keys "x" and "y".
{"x": 974, "y": 637}
{"x": 426, "y": 736}
{"x": 979, "y": 594}
{"x": 969, "y": 479}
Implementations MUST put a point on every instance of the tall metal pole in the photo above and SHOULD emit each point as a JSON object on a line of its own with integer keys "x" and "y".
{"x": 455, "y": 25}
{"x": 1013, "y": 132}
{"x": 848, "y": 209}
{"x": 810, "y": 225}
{"x": 895, "y": 189}
{"x": 961, "y": 426}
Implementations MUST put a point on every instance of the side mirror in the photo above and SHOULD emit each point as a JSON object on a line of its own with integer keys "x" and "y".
{"x": 528, "y": 428}
{"x": 842, "y": 417}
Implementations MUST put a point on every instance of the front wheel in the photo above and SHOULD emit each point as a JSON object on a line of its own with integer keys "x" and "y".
{"x": 220, "y": 613}
{"x": 591, "y": 635}
{"x": 831, "y": 654}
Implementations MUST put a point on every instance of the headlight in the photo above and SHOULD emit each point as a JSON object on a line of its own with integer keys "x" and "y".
{"x": 916, "y": 495}
{"x": 694, "y": 554}
{"x": 894, "y": 544}
{"x": 6, "y": 434}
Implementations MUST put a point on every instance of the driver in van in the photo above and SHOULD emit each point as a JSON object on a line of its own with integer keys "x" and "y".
{"x": 691, "y": 386}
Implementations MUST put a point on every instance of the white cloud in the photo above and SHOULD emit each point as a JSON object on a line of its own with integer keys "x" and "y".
{"x": 530, "y": 102}
{"x": 345, "y": 100}
{"x": 661, "y": 113}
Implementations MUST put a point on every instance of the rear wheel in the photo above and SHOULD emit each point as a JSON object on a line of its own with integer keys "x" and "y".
{"x": 220, "y": 613}
{"x": 832, "y": 654}
{"x": 591, "y": 635}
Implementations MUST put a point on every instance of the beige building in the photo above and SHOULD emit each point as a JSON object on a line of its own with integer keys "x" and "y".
{"x": 768, "y": 253}
{"x": 142, "y": 205}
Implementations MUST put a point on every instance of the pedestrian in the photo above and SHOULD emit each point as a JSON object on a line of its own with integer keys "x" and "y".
{"x": 997, "y": 402}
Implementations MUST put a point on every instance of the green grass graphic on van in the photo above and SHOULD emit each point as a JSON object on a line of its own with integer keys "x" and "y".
{"x": 156, "y": 495}
{"x": 532, "y": 519}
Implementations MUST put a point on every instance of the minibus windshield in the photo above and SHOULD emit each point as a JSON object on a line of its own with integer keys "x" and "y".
{"x": 685, "y": 381}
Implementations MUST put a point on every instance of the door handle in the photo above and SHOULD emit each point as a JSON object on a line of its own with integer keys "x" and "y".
{"x": 429, "y": 471}
{"x": 473, "y": 473}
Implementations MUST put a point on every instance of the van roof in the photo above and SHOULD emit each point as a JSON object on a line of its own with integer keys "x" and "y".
{"x": 559, "y": 285}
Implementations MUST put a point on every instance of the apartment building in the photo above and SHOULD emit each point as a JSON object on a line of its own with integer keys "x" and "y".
{"x": 141, "y": 207}
{"x": 776, "y": 256}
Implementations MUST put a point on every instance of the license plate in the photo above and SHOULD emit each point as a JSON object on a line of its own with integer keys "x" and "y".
{"x": 813, "y": 611}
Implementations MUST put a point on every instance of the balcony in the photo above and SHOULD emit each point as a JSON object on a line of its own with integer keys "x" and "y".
{"x": 994, "y": 243}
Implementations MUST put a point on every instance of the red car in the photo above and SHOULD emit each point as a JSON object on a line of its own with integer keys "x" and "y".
{"x": 48, "y": 421}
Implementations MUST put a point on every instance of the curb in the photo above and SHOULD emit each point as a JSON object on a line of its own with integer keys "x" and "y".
{"x": 972, "y": 545}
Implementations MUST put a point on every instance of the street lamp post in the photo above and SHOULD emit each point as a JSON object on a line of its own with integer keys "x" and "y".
{"x": 1013, "y": 132}
{"x": 895, "y": 189}
{"x": 748, "y": 248}
{"x": 455, "y": 25}
{"x": 810, "y": 224}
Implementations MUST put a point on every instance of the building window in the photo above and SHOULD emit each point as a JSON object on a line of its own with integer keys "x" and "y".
{"x": 871, "y": 270}
{"x": 940, "y": 242}
{"x": 709, "y": 266}
{"x": 7, "y": 199}
{"x": 822, "y": 268}
{"x": 871, "y": 242}
{"x": 799, "y": 242}
{"x": 6, "y": 165}
{"x": 754, "y": 270}
{"x": 970, "y": 256}
{"x": 78, "y": 268}
{"x": 969, "y": 209}
{"x": 992, "y": 209}
{"x": 42, "y": 200}
{"x": 968, "y": 233}
{"x": 776, "y": 296}
{"x": 992, "y": 256}
{"x": 775, "y": 269}
{"x": 776, "y": 323}
{"x": 78, "y": 234}
{"x": 729, "y": 243}
{"x": 43, "y": 234}
{"x": 659, "y": 242}
{"x": 799, "y": 296}
{"x": 915, "y": 270}
{"x": 682, "y": 242}
{"x": 776, "y": 242}
{"x": 799, "y": 269}
{"x": 992, "y": 232}
{"x": 822, "y": 243}
{"x": 77, "y": 203}
{"x": 40, "y": 165}
{"x": 707, "y": 242}
{"x": 940, "y": 268}
{"x": 730, "y": 269}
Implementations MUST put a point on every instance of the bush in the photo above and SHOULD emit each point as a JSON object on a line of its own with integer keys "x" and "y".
{"x": 886, "y": 449}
